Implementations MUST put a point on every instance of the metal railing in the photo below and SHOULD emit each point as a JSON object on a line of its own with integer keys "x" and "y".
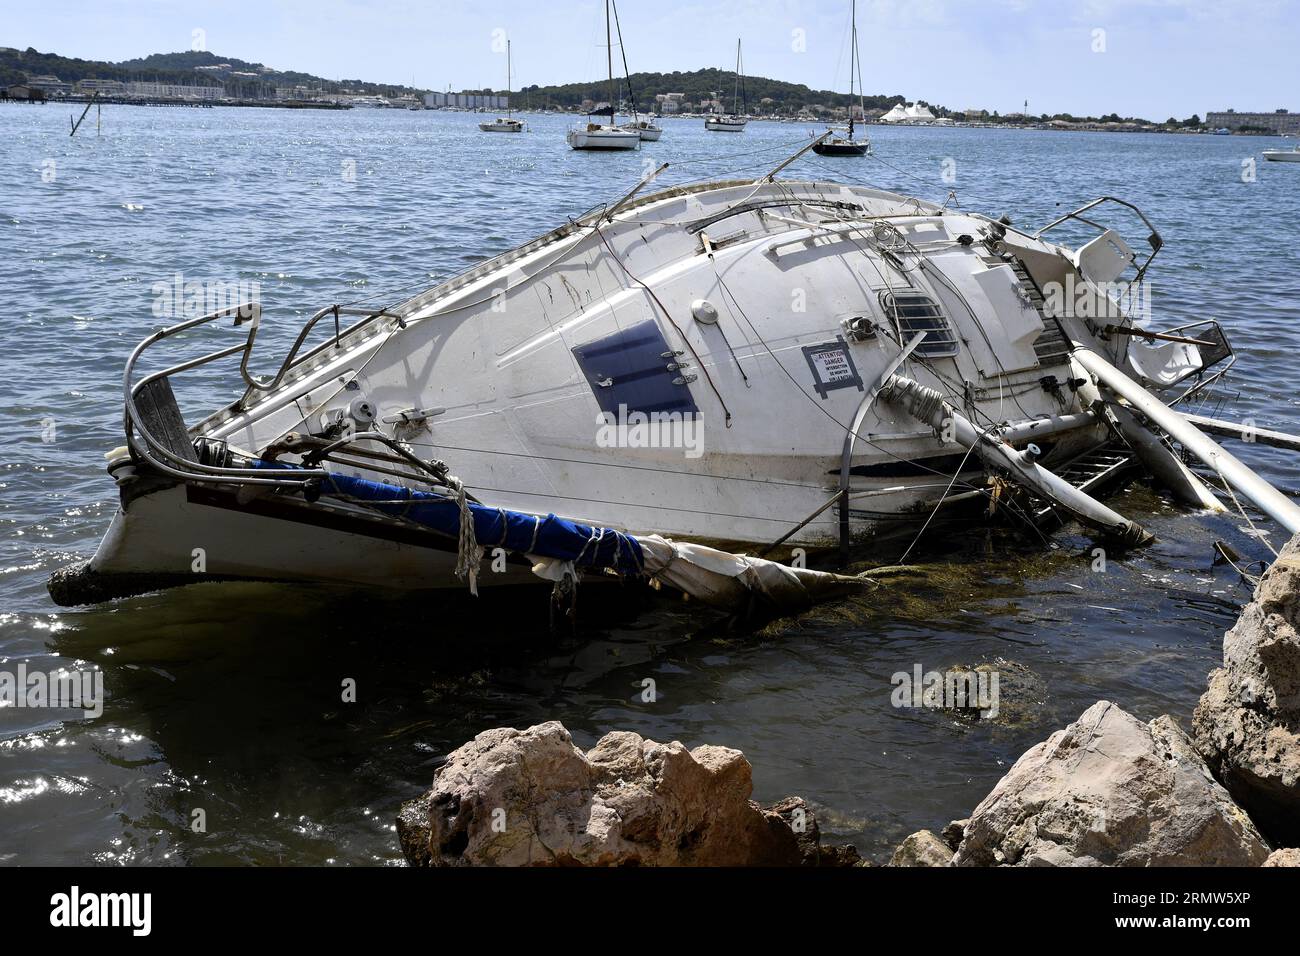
{"x": 1153, "y": 239}
{"x": 144, "y": 445}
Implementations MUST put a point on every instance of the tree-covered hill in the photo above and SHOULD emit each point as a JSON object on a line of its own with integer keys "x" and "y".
{"x": 17, "y": 65}
{"x": 761, "y": 94}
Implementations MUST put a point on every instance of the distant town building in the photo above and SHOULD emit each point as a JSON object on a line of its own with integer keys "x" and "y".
{"x": 146, "y": 90}
{"x": 50, "y": 85}
{"x": 466, "y": 101}
{"x": 670, "y": 103}
{"x": 1279, "y": 121}
{"x": 106, "y": 87}
{"x": 22, "y": 92}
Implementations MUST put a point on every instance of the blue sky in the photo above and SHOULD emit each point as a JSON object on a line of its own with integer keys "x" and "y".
{"x": 1154, "y": 58}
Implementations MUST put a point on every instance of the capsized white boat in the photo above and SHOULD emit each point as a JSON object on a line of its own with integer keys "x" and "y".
{"x": 744, "y": 362}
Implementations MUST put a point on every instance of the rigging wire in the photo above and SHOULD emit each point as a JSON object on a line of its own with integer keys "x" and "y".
{"x": 939, "y": 504}
{"x": 1242, "y": 511}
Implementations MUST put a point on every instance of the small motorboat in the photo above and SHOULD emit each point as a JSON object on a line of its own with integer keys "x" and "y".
{"x": 1283, "y": 155}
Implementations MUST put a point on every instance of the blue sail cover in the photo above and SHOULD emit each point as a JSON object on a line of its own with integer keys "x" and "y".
{"x": 587, "y": 546}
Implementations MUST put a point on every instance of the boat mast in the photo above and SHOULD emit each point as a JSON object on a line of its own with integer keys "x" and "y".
{"x": 627, "y": 74}
{"x": 735, "y": 96}
{"x": 609, "y": 56}
{"x": 853, "y": 54}
{"x": 508, "y": 111}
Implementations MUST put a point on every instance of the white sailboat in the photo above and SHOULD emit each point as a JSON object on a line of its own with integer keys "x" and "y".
{"x": 604, "y": 136}
{"x": 658, "y": 397}
{"x": 733, "y": 122}
{"x": 507, "y": 123}
{"x": 647, "y": 129}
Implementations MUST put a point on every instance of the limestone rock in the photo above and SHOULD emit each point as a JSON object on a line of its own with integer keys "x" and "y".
{"x": 532, "y": 798}
{"x": 1109, "y": 790}
{"x": 1288, "y": 857}
{"x": 922, "y": 848}
{"x": 953, "y": 833}
{"x": 1247, "y": 724}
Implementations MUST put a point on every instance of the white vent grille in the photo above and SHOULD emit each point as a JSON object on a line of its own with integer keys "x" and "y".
{"x": 913, "y": 312}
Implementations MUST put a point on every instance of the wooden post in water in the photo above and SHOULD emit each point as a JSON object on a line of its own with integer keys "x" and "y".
{"x": 94, "y": 96}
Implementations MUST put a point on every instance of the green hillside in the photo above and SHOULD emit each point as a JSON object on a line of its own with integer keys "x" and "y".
{"x": 698, "y": 85}
{"x": 17, "y": 65}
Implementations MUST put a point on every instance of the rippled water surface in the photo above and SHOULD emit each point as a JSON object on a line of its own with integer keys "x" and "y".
{"x": 226, "y": 698}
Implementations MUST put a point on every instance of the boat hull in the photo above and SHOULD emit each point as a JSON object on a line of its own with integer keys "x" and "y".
{"x": 603, "y": 140}
{"x": 1282, "y": 156}
{"x": 841, "y": 149}
{"x": 188, "y": 532}
{"x": 524, "y": 377}
{"x": 725, "y": 126}
{"x": 501, "y": 127}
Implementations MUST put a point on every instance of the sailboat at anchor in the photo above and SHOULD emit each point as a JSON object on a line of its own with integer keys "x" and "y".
{"x": 604, "y": 136}
{"x": 847, "y": 145}
{"x": 507, "y": 123}
{"x": 733, "y": 122}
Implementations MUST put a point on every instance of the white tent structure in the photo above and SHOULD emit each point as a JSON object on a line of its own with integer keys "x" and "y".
{"x": 901, "y": 113}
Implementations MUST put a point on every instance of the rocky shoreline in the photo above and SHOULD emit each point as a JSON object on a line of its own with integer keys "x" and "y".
{"x": 1107, "y": 790}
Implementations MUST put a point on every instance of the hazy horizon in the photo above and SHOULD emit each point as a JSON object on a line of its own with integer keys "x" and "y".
{"x": 1149, "y": 58}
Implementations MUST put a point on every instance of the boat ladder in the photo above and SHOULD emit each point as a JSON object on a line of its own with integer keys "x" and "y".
{"x": 1092, "y": 473}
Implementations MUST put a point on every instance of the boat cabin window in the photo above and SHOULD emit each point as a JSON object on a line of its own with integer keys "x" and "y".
{"x": 635, "y": 370}
{"x": 913, "y": 312}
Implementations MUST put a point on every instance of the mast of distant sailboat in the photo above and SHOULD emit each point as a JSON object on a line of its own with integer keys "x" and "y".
{"x": 627, "y": 74}
{"x": 609, "y": 60}
{"x": 853, "y": 59}
{"x": 735, "y": 98}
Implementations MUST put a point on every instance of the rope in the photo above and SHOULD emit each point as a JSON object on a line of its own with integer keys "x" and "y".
{"x": 468, "y": 554}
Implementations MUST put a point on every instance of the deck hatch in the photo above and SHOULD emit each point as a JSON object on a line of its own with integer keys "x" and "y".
{"x": 635, "y": 368}
{"x": 915, "y": 312}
